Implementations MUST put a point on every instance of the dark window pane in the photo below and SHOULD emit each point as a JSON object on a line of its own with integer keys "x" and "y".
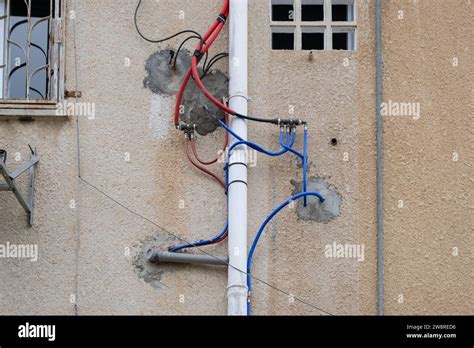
{"x": 39, "y": 8}
{"x": 39, "y": 54}
{"x": 282, "y": 13}
{"x": 339, "y": 13}
{"x": 340, "y": 41}
{"x": 313, "y": 41}
{"x": 312, "y": 13}
{"x": 283, "y": 41}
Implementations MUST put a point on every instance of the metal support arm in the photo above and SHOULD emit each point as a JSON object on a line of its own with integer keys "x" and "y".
{"x": 27, "y": 202}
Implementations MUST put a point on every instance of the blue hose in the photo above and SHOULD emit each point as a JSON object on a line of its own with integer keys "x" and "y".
{"x": 260, "y": 231}
{"x": 254, "y": 146}
{"x": 201, "y": 242}
{"x": 305, "y": 164}
{"x": 287, "y": 146}
{"x": 259, "y": 149}
{"x": 304, "y": 159}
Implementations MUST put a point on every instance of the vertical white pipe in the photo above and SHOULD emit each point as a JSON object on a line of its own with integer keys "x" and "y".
{"x": 237, "y": 291}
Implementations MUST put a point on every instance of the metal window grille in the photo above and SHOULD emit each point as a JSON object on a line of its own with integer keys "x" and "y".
{"x": 32, "y": 50}
{"x": 331, "y": 22}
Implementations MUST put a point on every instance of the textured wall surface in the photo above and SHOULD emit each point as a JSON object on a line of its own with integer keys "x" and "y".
{"x": 90, "y": 256}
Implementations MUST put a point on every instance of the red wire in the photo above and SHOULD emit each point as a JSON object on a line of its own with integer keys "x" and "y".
{"x": 215, "y": 177}
{"x": 202, "y": 47}
{"x": 188, "y": 155}
{"x": 226, "y": 142}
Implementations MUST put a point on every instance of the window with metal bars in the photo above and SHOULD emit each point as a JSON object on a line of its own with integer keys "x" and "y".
{"x": 31, "y": 51}
{"x": 313, "y": 24}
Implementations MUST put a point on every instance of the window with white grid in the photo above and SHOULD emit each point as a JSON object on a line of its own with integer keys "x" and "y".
{"x": 313, "y": 24}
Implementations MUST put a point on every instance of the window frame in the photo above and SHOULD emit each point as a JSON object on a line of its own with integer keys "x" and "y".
{"x": 327, "y": 24}
{"x": 36, "y": 107}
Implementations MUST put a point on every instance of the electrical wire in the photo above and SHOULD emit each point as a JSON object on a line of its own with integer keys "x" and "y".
{"x": 223, "y": 235}
{"x": 202, "y": 49}
{"x": 159, "y": 40}
{"x": 175, "y": 57}
{"x": 196, "y": 155}
{"x": 213, "y": 61}
{"x": 188, "y": 155}
{"x": 123, "y": 206}
{"x": 208, "y": 38}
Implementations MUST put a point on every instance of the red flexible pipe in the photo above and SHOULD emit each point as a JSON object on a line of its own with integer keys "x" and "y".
{"x": 216, "y": 26}
{"x": 226, "y": 142}
{"x": 215, "y": 177}
{"x": 219, "y": 180}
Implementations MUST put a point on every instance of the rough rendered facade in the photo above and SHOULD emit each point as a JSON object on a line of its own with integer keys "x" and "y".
{"x": 90, "y": 249}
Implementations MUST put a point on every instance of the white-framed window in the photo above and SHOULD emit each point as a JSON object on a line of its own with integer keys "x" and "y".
{"x": 31, "y": 54}
{"x": 313, "y": 24}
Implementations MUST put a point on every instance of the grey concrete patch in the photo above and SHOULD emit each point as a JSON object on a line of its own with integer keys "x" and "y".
{"x": 161, "y": 78}
{"x": 164, "y": 80}
{"x": 315, "y": 210}
{"x": 218, "y": 85}
{"x": 149, "y": 272}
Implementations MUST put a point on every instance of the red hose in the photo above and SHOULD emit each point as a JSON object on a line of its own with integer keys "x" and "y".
{"x": 208, "y": 39}
{"x": 226, "y": 142}
{"x": 204, "y": 45}
{"x": 219, "y": 180}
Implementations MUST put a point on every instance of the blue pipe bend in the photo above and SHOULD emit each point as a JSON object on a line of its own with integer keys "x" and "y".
{"x": 262, "y": 228}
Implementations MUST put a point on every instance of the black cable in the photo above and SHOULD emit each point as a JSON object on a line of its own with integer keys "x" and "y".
{"x": 213, "y": 61}
{"x": 216, "y": 58}
{"x": 161, "y": 40}
{"x": 256, "y": 119}
{"x": 276, "y": 121}
{"x": 181, "y": 46}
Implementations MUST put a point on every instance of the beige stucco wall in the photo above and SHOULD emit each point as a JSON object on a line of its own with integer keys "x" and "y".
{"x": 90, "y": 251}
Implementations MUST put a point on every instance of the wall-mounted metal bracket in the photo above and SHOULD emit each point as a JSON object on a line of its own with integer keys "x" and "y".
{"x": 11, "y": 185}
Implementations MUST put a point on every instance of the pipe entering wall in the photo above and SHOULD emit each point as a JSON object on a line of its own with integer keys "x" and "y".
{"x": 166, "y": 256}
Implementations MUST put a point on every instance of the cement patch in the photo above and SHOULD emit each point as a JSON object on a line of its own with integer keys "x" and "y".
{"x": 315, "y": 210}
{"x": 164, "y": 80}
{"x": 149, "y": 272}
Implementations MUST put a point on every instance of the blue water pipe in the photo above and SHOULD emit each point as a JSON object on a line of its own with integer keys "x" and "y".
{"x": 262, "y": 228}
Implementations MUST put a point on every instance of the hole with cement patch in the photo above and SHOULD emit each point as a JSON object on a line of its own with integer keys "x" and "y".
{"x": 164, "y": 79}
{"x": 315, "y": 210}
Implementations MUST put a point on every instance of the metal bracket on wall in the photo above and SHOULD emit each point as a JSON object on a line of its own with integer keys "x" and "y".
{"x": 11, "y": 185}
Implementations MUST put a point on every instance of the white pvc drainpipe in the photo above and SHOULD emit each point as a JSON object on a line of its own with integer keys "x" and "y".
{"x": 237, "y": 291}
